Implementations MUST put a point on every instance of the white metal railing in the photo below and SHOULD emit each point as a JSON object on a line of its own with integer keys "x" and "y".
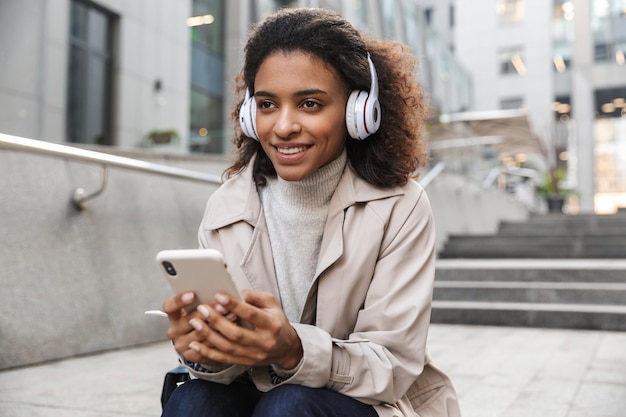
{"x": 499, "y": 170}
{"x": 80, "y": 196}
{"x": 432, "y": 174}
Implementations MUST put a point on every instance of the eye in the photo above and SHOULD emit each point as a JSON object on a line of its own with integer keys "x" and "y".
{"x": 265, "y": 104}
{"x": 310, "y": 104}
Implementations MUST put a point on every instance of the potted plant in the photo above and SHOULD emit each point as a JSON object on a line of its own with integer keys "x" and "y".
{"x": 553, "y": 190}
{"x": 161, "y": 138}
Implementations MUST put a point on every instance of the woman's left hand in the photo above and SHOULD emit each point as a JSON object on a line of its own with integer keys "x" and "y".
{"x": 267, "y": 338}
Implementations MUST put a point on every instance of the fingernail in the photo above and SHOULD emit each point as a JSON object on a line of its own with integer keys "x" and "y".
{"x": 222, "y": 299}
{"x": 194, "y": 346}
{"x": 220, "y": 309}
{"x": 203, "y": 310}
{"x": 196, "y": 324}
{"x": 187, "y": 297}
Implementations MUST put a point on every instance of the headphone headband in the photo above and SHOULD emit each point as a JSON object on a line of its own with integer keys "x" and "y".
{"x": 374, "y": 75}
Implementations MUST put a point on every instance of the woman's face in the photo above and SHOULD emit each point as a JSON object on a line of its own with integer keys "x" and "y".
{"x": 300, "y": 120}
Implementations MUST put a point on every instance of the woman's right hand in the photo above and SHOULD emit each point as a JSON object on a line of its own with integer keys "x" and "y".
{"x": 181, "y": 331}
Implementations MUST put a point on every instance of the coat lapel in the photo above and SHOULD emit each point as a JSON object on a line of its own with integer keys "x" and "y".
{"x": 245, "y": 213}
{"x": 258, "y": 262}
{"x": 350, "y": 190}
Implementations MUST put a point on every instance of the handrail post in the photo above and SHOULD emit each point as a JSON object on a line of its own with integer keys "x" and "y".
{"x": 432, "y": 174}
{"x": 79, "y": 197}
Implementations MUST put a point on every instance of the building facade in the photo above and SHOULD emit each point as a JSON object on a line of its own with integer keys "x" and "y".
{"x": 159, "y": 73}
{"x": 562, "y": 62}
{"x": 106, "y": 73}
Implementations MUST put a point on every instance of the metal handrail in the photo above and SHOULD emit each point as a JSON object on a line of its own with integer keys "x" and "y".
{"x": 496, "y": 171}
{"x": 432, "y": 174}
{"x": 80, "y": 197}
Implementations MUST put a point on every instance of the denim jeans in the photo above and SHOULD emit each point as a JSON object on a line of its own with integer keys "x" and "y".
{"x": 199, "y": 398}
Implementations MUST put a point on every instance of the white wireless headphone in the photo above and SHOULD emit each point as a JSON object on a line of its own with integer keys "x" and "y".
{"x": 363, "y": 112}
{"x": 247, "y": 116}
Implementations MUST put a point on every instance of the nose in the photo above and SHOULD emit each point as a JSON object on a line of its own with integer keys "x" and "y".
{"x": 287, "y": 123}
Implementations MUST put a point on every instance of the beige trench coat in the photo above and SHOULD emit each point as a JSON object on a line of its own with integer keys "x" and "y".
{"x": 365, "y": 321}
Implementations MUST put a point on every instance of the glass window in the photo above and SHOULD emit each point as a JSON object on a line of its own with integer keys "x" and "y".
{"x": 207, "y": 76}
{"x": 206, "y": 131}
{"x": 511, "y": 61}
{"x": 324, "y": 4}
{"x": 360, "y": 11}
{"x": 562, "y": 108}
{"x": 608, "y": 23}
{"x": 207, "y": 24}
{"x": 618, "y": 7}
{"x": 562, "y": 34}
{"x": 562, "y": 58}
{"x": 610, "y": 102}
{"x": 610, "y": 164}
{"x": 428, "y": 16}
{"x": 389, "y": 19}
{"x": 89, "y": 75}
{"x": 266, "y": 7}
{"x": 563, "y": 21}
{"x": 607, "y": 8}
{"x": 602, "y": 51}
{"x": 451, "y": 16}
{"x": 510, "y": 11}
{"x": 512, "y": 103}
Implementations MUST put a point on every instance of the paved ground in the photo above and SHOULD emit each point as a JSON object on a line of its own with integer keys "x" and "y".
{"x": 498, "y": 371}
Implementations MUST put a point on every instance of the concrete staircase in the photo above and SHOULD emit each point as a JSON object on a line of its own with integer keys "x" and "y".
{"x": 546, "y": 237}
{"x": 552, "y": 271}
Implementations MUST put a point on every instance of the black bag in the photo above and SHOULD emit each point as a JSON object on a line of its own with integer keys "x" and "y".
{"x": 172, "y": 380}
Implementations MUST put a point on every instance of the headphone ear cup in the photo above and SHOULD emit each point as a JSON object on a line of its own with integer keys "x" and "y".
{"x": 355, "y": 118}
{"x": 247, "y": 117}
{"x": 372, "y": 115}
{"x": 351, "y": 122}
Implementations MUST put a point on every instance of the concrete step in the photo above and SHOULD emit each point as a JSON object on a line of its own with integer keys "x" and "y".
{"x": 546, "y": 240}
{"x": 577, "y": 219}
{"x": 548, "y": 246}
{"x": 550, "y": 315}
{"x": 504, "y": 252}
{"x": 534, "y": 270}
{"x": 546, "y": 236}
{"x": 532, "y": 292}
{"x": 581, "y": 294}
{"x": 560, "y": 229}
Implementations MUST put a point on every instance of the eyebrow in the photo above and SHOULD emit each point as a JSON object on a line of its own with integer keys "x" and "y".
{"x": 307, "y": 92}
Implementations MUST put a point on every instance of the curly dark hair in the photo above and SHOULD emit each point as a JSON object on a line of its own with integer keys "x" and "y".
{"x": 387, "y": 158}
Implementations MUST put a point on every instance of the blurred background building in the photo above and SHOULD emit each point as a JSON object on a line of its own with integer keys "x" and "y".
{"x": 562, "y": 63}
{"x": 129, "y": 73}
{"x": 529, "y": 84}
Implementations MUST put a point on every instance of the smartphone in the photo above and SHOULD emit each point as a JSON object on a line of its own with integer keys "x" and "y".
{"x": 201, "y": 271}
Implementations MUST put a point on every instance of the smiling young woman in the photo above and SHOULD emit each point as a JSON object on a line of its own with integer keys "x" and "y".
{"x": 322, "y": 226}
{"x": 300, "y": 121}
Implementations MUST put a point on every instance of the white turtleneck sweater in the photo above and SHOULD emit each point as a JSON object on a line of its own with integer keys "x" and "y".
{"x": 295, "y": 213}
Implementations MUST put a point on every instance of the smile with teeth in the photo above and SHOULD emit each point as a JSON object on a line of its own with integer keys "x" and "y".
{"x": 291, "y": 151}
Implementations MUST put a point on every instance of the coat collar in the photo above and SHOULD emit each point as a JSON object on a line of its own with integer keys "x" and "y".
{"x": 243, "y": 203}
{"x": 239, "y": 202}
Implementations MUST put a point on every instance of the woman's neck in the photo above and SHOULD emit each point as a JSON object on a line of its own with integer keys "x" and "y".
{"x": 315, "y": 190}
